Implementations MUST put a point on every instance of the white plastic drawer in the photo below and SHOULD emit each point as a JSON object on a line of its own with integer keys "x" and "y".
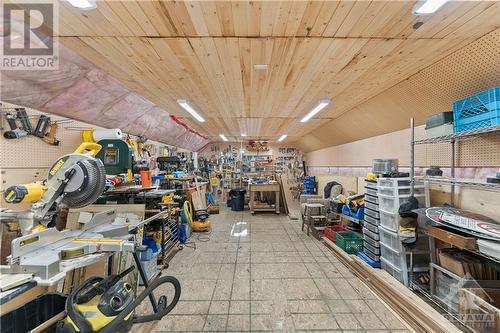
{"x": 391, "y": 204}
{"x": 390, "y": 239}
{"x": 392, "y": 270}
{"x": 391, "y": 256}
{"x": 393, "y": 182}
{"x": 370, "y": 191}
{"x": 371, "y": 220}
{"x": 373, "y": 249}
{"x": 372, "y": 185}
{"x": 371, "y": 205}
{"x": 372, "y": 213}
{"x": 400, "y": 191}
{"x": 389, "y": 221}
{"x": 371, "y": 227}
{"x": 371, "y": 255}
{"x": 371, "y": 234}
{"x": 371, "y": 198}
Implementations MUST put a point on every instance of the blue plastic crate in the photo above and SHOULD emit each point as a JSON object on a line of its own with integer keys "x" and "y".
{"x": 477, "y": 111}
{"x": 369, "y": 261}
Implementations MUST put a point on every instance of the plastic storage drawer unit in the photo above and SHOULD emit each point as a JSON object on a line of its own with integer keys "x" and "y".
{"x": 371, "y": 198}
{"x": 371, "y": 227}
{"x": 371, "y": 234}
{"x": 372, "y": 213}
{"x": 389, "y": 220}
{"x": 391, "y": 204}
{"x": 390, "y": 239}
{"x": 392, "y": 270}
{"x": 371, "y": 206}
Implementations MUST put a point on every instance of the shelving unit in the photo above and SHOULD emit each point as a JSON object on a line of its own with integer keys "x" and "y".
{"x": 452, "y": 181}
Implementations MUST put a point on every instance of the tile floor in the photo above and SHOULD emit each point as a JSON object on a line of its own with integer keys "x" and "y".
{"x": 260, "y": 273}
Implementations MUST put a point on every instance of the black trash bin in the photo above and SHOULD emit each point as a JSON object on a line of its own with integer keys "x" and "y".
{"x": 237, "y": 199}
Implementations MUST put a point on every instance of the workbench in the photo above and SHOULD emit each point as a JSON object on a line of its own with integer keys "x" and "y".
{"x": 260, "y": 188}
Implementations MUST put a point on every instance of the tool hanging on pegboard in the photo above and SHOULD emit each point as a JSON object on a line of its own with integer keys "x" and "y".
{"x": 45, "y": 128}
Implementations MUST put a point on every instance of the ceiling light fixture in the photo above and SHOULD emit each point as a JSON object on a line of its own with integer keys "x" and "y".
{"x": 260, "y": 67}
{"x": 243, "y": 134}
{"x": 185, "y": 105}
{"x": 223, "y": 137}
{"x": 83, "y": 4}
{"x": 320, "y": 106}
{"x": 283, "y": 137}
{"x": 428, "y": 7}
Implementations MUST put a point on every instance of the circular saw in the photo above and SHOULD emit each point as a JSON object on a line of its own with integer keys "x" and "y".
{"x": 74, "y": 181}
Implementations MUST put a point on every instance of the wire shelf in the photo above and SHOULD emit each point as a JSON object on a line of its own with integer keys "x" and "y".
{"x": 459, "y": 136}
{"x": 460, "y": 182}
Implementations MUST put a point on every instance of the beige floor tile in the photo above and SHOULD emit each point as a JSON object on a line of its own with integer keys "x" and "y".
{"x": 238, "y": 323}
{"x": 274, "y": 279}
{"x": 215, "y": 323}
{"x": 347, "y": 321}
{"x": 307, "y": 306}
{"x": 358, "y": 306}
{"x": 197, "y": 290}
{"x": 219, "y": 307}
{"x": 263, "y": 289}
{"x": 317, "y": 321}
{"x": 262, "y": 306}
{"x": 370, "y": 321}
{"x": 301, "y": 289}
{"x": 227, "y": 272}
{"x": 242, "y": 271}
{"x": 338, "y": 306}
{"x": 191, "y": 308}
{"x": 327, "y": 289}
{"x": 181, "y": 323}
{"x": 241, "y": 289}
{"x": 239, "y": 307}
{"x": 222, "y": 290}
{"x": 262, "y": 323}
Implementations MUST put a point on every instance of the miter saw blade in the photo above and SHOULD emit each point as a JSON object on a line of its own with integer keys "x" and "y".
{"x": 86, "y": 185}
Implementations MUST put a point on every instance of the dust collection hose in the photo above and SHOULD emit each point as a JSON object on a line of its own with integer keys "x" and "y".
{"x": 112, "y": 327}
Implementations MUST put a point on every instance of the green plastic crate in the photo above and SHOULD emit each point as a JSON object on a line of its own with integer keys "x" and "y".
{"x": 349, "y": 241}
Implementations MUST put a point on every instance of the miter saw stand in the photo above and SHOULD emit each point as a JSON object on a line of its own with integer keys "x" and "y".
{"x": 50, "y": 254}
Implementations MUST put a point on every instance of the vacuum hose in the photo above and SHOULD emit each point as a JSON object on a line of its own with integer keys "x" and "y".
{"x": 113, "y": 325}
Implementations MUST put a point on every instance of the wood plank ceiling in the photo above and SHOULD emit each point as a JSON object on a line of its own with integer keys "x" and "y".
{"x": 204, "y": 51}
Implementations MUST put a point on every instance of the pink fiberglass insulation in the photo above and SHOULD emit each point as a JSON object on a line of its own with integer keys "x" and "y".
{"x": 81, "y": 91}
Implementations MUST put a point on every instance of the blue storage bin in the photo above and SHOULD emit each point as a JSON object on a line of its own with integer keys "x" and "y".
{"x": 477, "y": 111}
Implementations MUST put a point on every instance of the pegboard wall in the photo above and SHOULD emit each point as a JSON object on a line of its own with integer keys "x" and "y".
{"x": 32, "y": 152}
{"x": 482, "y": 151}
{"x": 478, "y": 152}
{"x": 28, "y": 159}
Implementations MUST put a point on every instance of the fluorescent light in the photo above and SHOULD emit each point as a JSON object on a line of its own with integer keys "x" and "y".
{"x": 320, "y": 106}
{"x": 283, "y": 137}
{"x": 428, "y": 7}
{"x": 185, "y": 105}
{"x": 223, "y": 137}
{"x": 83, "y": 4}
{"x": 243, "y": 134}
{"x": 260, "y": 67}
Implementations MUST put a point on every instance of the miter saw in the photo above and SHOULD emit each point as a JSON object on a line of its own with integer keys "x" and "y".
{"x": 74, "y": 181}
{"x": 103, "y": 305}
